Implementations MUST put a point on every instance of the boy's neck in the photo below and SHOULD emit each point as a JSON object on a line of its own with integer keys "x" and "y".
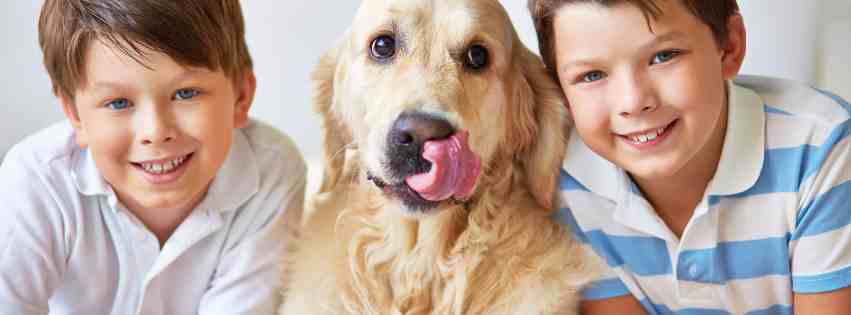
{"x": 675, "y": 198}
{"x": 162, "y": 222}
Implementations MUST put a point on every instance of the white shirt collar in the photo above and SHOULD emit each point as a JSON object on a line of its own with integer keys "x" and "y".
{"x": 237, "y": 180}
{"x": 738, "y": 169}
{"x": 744, "y": 143}
{"x": 593, "y": 171}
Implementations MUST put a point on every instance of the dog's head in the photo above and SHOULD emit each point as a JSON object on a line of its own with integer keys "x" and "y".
{"x": 436, "y": 96}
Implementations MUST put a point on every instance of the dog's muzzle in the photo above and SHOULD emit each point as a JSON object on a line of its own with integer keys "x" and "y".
{"x": 429, "y": 160}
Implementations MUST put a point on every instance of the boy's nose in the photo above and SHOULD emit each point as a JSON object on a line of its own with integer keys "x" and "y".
{"x": 156, "y": 128}
{"x": 637, "y": 110}
{"x": 637, "y": 98}
{"x": 153, "y": 140}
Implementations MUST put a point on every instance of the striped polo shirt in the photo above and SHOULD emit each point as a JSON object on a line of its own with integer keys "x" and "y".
{"x": 773, "y": 220}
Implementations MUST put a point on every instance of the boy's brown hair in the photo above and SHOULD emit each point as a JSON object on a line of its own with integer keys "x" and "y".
{"x": 198, "y": 33}
{"x": 713, "y": 13}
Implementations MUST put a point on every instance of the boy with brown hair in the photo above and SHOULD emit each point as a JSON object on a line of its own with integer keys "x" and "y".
{"x": 704, "y": 191}
{"x": 158, "y": 195}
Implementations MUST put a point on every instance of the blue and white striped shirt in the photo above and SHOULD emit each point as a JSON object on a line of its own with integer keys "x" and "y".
{"x": 774, "y": 219}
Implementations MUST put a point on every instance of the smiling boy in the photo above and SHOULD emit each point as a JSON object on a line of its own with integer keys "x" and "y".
{"x": 704, "y": 191}
{"x": 158, "y": 195}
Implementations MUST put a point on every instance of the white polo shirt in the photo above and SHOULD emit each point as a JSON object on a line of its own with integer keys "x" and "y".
{"x": 774, "y": 219}
{"x": 67, "y": 246}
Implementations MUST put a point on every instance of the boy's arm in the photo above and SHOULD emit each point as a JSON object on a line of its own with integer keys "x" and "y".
{"x": 248, "y": 278}
{"x": 820, "y": 244}
{"x": 31, "y": 248}
{"x": 608, "y": 295}
{"x": 830, "y": 303}
{"x": 624, "y": 304}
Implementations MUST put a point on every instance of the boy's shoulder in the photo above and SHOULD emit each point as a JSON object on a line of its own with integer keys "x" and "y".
{"x": 795, "y": 101}
{"x": 272, "y": 146}
{"x": 264, "y": 163}
{"x": 263, "y": 174}
{"x": 37, "y": 177}
{"x": 263, "y": 136}
{"x": 56, "y": 142}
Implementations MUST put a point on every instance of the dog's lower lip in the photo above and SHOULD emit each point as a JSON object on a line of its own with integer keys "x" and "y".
{"x": 403, "y": 192}
{"x": 376, "y": 181}
{"x": 421, "y": 203}
{"x": 403, "y": 187}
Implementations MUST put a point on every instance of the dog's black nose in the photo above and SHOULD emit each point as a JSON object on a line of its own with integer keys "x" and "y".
{"x": 406, "y": 138}
{"x": 414, "y": 129}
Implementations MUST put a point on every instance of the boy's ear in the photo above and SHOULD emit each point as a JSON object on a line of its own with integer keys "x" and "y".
{"x": 74, "y": 117}
{"x": 734, "y": 48}
{"x": 245, "y": 89}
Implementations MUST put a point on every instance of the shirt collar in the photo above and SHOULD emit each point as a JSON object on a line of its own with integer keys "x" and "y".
{"x": 593, "y": 171}
{"x": 738, "y": 169}
{"x": 86, "y": 176}
{"x": 744, "y": 143}
{"x": 237, "y": 180}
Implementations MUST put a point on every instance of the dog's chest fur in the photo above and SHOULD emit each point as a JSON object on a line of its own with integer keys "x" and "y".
{"x": 491, "y": 260}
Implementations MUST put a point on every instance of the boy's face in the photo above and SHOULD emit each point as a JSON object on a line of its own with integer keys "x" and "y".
{"x": 159, "y": 134}
{"x": 652, "y": 102}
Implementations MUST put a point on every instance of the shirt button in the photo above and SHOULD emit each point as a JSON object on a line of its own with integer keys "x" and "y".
{"x": 693, "y": 271}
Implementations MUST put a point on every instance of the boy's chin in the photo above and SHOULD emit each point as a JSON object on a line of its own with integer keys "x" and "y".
{"x": 165, "y": 201}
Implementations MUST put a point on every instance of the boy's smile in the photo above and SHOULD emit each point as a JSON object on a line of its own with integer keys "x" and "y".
{"x": 158, "y": 131}
{"x": 162, "y": 171}
{"x": 647, "y": 94}
{"x": 649, "y": 139}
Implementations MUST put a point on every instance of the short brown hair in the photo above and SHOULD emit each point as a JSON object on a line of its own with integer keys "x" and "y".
{"x": 713, "y": 13}
{"x": 199, "y": 33}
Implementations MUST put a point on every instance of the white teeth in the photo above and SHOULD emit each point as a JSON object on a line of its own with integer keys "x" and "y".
{"x": 163, "y": 167}
{"x": 650, "y": 136}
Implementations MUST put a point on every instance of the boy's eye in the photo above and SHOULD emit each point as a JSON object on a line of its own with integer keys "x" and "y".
{"x": 664, "y": 56}
{"x": 593, "y": 76}
{"x": 118, "y": 104}
{"x": 185, "y": 94}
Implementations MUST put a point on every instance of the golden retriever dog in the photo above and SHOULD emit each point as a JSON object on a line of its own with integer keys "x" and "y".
{"x": 443, "y": 140}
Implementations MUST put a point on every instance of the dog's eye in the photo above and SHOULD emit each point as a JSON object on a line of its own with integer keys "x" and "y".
{"x": 383, "y": 47}
{"x": 477, "y": 57}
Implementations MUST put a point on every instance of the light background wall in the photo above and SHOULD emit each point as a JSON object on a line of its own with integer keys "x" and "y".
{"x": 798, "y": 39}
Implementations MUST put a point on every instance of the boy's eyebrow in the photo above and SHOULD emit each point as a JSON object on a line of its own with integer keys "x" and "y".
{"x": 188, "y": 73}
{"x": 107, "y": 85}
{"x": 577, "y": 63}
{"x": 180, "y": 77}
{"x": 670, "y": 36}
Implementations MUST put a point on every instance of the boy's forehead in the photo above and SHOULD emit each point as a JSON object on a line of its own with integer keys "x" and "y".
{"x": 672, "y": 16}
{"x": 586, "y": 33}
{"x": 106, "y": 65}
{"x": 651, "y": 10}
{"x": 130, "y": 53}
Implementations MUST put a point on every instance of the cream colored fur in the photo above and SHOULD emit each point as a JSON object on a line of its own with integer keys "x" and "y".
{"x": 362, "y": 252}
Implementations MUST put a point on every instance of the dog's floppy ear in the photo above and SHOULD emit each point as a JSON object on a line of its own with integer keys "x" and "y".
{"x": 336, "y": 135}
{"x": 545, "y": 122}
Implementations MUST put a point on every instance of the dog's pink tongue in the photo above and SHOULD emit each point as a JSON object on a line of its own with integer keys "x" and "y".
{"x": 454, "y": 169}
